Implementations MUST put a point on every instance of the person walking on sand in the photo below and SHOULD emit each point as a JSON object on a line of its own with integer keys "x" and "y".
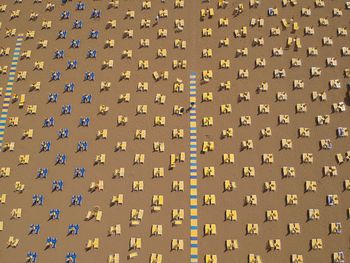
{"x": 191, "y": 106}
{"x": 156, "y": 20}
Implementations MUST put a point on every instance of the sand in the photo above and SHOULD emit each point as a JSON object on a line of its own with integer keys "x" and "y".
{"x": 214, "y": 214}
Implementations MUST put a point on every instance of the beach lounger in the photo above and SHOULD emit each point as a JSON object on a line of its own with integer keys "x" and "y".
{"x": 230, "y": 215}
{"x": 137, "y": 186}
{"x": 231, "y": 244}
{"x": 252, "y": 229}
{"x": 177, "y": 244}
{"x": 12, "y": 242}
{"x": 291, "y": 199}
{"x": 5, "y": 172}
{"x": 13, "y": 121}
{"x": 16, "y": 213}
{"x": 270, "y": 186}
{"x": 157, "y": 230}
{"x": 316, "y": 244}
{"x": 156, "y": 258}
{"x": 100, "y": 159}
{"x": 209, "y": 258}
{"x": 158, "y": 172}
{"x": 229, "y": 186}
{"x": 139, "y": 158}
{"x": 113, "y": 258}
{"x": 274, "y": 244}
{"x": 177, "y": 186}
{"x": 23, "y": 159}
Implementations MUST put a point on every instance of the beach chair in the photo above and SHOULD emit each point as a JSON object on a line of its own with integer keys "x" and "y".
{"x": 157, "y": 230}
{"x": 177, "y": 244}
{"x": 158, "y": 172}
{"x": 224, "y": 42}
{"x": 274, "y": 244}
{"x": 3, "y": 8}
{"x": 338, "y": 257}
{"x": 223, "y": 22}
{"x": 145, "y": 23}
{"x": 209, "y": 171}
{"x": 28, "y": 134}
{"x": 251, "y": 200}
{"x": 21, "y": 75}
{"x": 112, "y": 23}
{"x": 156, "y": 258}
{"x": 207, "y": 32}
{"x": 158, "y": 146}
{"x": 144, "y": 42}
{"x": 117, "y": 199}
{"x": 125, "y": 75}
{"x": 231, "y": 244}
{"x": 3, "y": 198}
{"x": 103, "y": 109}
{"x": 23, "y": 159}
{"x": 12, "y": 242}
{"x": 307, "y": 158}
{"x": 113, "y": 258}
{"x": 248, "y": 171}
{"x": 310, "y": 186}
{"x": 19, "y": 187}
{"x": 16, "y": 213}
{"x": 179, "y": 3}
{"x": 209, "y": 229}
{"x": 227, "y": 133}
{"x": 291, "y": 199}
{"x": 102, "y": 134}
{"x": 228, "y": 158}
{"x": 177, "y": 186}
{"x": 13, "y": 121}
{"x": 105, "y": 85}
{"x": 207, "y": 146}
{"x": 140, "y": 134}
{"x": 109, "y": 43}
{"x": 230, "y": 215}
{"x": 119, "y": 172}
{"x": 42, "y": 44}
{"x": 270, "y": 186}
{"x": 144, "y": 64}
{"x": 107, "y": 64}
{"x": 141, "y": 109}
{"x": 159, "y": 121}
{"x": 142, "y": 86}
{"x": 95, "y": 243}
{"x": 316, "y": 244}
{"x": 295, "y": 258}
{"x": 122, "y": 120}
{"x": 31, "y": 109}
{"x": 209, "y": 199}
{"x": 177, "y": 133}
{"x": 8, "y": 147}
{"x": 137, "y": 186}
{"x": 114, "y": 230}
{"x": 294, "y": 228}
{"x": 121, "y": 146}
{"x": 5, "y": 172}
{"x": 46, "y": 24}
{"x": 252, "y": 229}
{"x": 247, "y": 145}
{"x": 209, "y": 258}
{"x": 3, "y": 70}
{"x": 113, "y": 4}
{"x": 229, "y": 186}
{"x": 4, "y": 51}
{"x": 271, "y": 215}
{"x": 100, "y": 159}
{"x": 10, "y": 32}
{"x": 177, "y": 216}
{"x": 135, "y": 243}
